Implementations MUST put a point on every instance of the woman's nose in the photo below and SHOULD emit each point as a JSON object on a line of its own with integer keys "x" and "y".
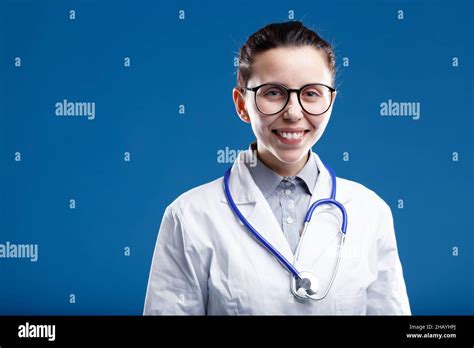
{"x": 293, "y": 109}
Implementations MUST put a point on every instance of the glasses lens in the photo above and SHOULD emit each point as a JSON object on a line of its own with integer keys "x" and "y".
{"x": 315, "y": 99}
{"x": 271, "y": 99}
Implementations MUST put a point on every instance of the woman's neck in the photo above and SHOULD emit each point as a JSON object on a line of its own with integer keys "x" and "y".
{"x": 282, "y": 169}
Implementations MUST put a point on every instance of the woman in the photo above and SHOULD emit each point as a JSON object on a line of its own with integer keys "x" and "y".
{"x": 207, "y": 260}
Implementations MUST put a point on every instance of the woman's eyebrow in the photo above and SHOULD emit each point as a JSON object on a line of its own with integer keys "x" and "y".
{"x": 284, "y": 84}
{"x": 269, "y": 82}
{"x": 275, "y": 82}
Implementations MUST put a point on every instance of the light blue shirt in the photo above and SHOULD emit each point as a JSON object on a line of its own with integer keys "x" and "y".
{"x": 288, "y": 196}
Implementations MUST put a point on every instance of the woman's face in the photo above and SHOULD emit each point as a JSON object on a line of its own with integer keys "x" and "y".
{"x": 293, "y": 67}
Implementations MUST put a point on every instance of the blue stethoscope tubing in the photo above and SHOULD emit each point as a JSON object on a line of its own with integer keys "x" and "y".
{"x": 332, "y": 200}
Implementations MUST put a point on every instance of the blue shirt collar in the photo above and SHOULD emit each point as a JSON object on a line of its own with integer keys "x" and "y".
{"x": 267, "y": 180}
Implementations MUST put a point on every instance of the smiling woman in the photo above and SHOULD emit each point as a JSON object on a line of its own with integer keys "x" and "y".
{"x": 285, "y": 235}
{"x": 286, "y": 135}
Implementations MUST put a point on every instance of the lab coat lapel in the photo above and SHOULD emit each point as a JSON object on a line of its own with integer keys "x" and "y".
{"x": 254, "y": 207}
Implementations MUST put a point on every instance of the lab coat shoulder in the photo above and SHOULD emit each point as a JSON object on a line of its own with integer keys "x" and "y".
{"x": 180, "y": 268}
{"x": 387, "y": 294}
{"x": 370, "y": 217}
{"x": 367, "y": 200}
{"x": 371, "y": 211}
{"x": 199, "y": 203}
{"x": 193, "y": 209}
{"x": 202, "y": 194}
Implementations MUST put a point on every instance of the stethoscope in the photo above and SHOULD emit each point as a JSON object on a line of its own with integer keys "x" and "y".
{"x": 304, "y": 285}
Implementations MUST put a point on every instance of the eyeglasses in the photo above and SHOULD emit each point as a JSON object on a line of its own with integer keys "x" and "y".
{"x": 314, "y": 98}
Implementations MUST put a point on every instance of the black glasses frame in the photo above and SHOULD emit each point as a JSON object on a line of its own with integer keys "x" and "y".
{"x": 288, "y": 93}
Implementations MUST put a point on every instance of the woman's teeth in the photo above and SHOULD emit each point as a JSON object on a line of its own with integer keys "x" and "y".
{"x": 286, "y": 135}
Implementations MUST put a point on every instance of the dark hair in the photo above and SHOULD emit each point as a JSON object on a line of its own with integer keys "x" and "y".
{"x": 287, "y": 34}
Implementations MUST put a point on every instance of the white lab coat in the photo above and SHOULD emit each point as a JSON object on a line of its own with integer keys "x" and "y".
{"x": 206, "y": 262}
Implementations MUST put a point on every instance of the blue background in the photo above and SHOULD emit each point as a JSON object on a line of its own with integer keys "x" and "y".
{"x": 191, "y": 62}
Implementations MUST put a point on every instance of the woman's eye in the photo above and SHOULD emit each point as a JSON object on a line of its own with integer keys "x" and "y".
{"x": 273, "y": 93}
{"x": 312, "y": 94}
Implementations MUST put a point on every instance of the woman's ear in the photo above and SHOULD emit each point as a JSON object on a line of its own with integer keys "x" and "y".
{"x": 239, "y": 102}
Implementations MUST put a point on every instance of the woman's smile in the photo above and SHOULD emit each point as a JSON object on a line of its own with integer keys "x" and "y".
{"x": 291, "y": 136}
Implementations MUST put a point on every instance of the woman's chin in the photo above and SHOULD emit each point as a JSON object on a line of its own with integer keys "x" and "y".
{"x": 291, "y": 156}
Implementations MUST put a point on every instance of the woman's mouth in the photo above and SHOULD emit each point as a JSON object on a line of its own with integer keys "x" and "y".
{"x": 290, "y": 137}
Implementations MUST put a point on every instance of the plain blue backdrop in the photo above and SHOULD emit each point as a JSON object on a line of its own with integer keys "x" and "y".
{"x": 191, "y": 62}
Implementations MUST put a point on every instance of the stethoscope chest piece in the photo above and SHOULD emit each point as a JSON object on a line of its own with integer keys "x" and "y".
{"x": 306, "y": 287}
